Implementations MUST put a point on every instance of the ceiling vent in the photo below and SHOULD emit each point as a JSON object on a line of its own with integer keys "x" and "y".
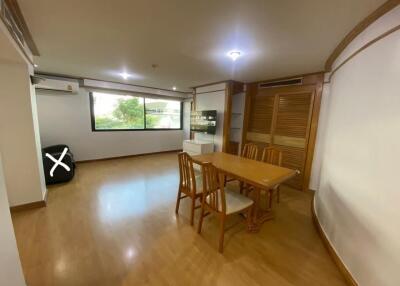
{"x": 280, "y": 83}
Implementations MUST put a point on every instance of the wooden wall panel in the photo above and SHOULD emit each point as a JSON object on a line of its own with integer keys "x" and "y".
{"x": 261, "y": 111}
{"x": 293, "y": 115}
{"x": 293, "y": 158}
{"x": 233, "y": 148}
{"x": 285, "y": 117}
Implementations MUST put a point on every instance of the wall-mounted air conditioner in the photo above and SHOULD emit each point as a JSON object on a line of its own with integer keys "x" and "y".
{"x": 58, "y": 85}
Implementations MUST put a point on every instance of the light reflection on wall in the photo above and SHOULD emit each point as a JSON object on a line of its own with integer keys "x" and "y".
{"x": 130, "y": 253}
{"x": 60, "y": 266}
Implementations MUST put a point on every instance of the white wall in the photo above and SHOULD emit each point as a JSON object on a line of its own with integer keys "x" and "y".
{"x": 65, "y": 119}
{"x": 19, "y": 134}
{"x": 212, "y": 97}
{"x": 10, "y": 265}
{"x": 186, "y": 119}
{"x": 357, "y": 199}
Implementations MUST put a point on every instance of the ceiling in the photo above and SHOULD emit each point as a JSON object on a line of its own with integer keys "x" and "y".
{"x": 188, "y": 40}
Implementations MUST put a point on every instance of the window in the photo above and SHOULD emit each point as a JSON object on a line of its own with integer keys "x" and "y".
{"x": 128, "y": 112}
{"x": 161, "y": 113}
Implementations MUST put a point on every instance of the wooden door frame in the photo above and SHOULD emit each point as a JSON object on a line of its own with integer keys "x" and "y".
{"x": 312, "y": 136}
{"x": 232, "y": 88}
{"x": 226, "y": 133}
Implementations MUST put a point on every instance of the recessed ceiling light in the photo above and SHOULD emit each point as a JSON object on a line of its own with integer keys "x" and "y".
{"x": 125, "y": 75}
{"x": 174, "y": 88}
{"x": 35, "y": 65}
{"x": 234, "y": 55}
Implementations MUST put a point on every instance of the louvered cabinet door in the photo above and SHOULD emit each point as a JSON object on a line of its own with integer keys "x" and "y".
{"x": 285, "y": 114}
{"x": 260, "y": 121}
{"x": 290, "y": 130}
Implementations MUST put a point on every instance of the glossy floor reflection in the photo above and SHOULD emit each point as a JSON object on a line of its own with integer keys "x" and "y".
{"x": 114, "y": 224}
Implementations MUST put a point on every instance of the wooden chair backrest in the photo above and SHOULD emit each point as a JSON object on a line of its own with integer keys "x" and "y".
{"x": 272, "y": 156}
{"x": 250, "y": 151}
{"x": 187, "y": 178}
{"x": 213, "y": 188}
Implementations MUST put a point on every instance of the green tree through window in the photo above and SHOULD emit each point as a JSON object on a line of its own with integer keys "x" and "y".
{"x": 130, "y": 112}
{"x": 113, "y": 112}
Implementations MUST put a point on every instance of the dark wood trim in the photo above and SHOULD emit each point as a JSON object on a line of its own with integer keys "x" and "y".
{"x": 128, "y": 156}
{"x": 274, "y": 119}
{"x": 19, "y": 19}
{"x": 383, "y": 9}
{"x": 384, "y": 35}
{"x": 91, "y": 110}
{"x": 246, "y": 115}
{"x": 312, "y": 132}
{"x": 308, "y": 78}
{"x": 29, "y": 206}
{"x": 49, "y": 74}
{"x": 22, "y": 49}
{"x": 227, "y": 117}
{"x": 332, "y": 252}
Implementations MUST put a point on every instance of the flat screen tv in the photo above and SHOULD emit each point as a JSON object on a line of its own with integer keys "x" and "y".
{"x": 203, "y": 121}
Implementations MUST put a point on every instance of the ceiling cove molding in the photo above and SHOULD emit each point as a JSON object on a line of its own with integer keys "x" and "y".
{"x": 384, "y": 35}
{"x": 18, "y": 17}
{"x": 99, "y": 84}
{"x": 357, "y": 30}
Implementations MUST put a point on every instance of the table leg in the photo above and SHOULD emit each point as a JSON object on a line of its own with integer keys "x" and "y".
{"x": 259, "y": 215}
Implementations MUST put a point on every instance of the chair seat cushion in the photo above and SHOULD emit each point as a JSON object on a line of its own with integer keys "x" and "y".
{"x": 235, "y": 202}
{"x": 199, "y": 184}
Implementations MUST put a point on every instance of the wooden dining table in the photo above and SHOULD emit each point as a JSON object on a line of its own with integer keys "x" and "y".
{"x": 261, "y": 176}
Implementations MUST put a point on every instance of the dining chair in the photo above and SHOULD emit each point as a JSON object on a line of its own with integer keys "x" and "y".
{"x": 250, "y": 151}
{"x": 221, "y": 201}
{"x": 272, "y": 155}
{"x": 190, "y": 185}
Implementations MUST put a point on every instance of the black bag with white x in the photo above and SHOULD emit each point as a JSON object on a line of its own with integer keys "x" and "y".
{"x": 60, "y": 174}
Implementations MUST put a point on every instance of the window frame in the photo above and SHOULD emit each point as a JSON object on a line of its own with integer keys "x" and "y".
{"x": 93, "y": 119}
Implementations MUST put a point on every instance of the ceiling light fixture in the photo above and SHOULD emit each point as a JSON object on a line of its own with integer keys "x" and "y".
{"x": 174, "y": 88}
{"x": 35, "y": 65}
{"x": 234, "y": 55}
{"x": 125, "y": 75}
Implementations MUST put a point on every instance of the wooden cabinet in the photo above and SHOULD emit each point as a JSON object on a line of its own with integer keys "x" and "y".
{"x": 285, "y": 117}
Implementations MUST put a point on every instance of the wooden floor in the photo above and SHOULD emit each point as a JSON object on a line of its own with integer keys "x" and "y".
{"x": 114, "y": 224}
